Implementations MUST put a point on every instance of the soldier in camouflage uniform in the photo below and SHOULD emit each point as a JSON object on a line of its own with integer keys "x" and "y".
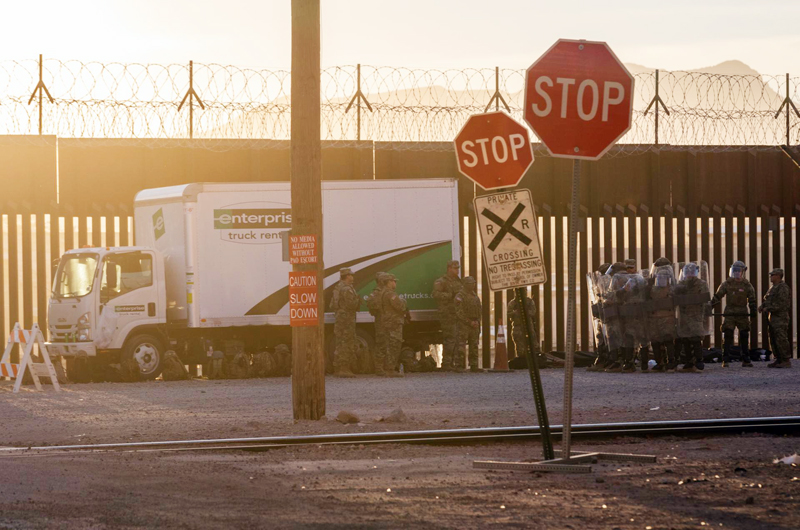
{"x": 374, "y": 306}
{"x": 740, "y": 296}
{"x": 778, "y": 303}
{"x": 393, "y": 316}
{"x": 518, "y": 331}
{"x": 445, "y": 290}
{"x": 691, "y": 295}
{"x": 632, "y": 296}
{"x": 661, "y": 320}
{"x": 468, "y": 312}
{"x": 346, "y": 303}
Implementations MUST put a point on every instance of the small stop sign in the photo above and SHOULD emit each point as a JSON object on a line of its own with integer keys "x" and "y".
{"x": 493, "y": 150}
{"x": 578, "y": 99}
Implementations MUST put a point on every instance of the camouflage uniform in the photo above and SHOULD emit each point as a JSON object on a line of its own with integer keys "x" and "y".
{"x": 393, "y": 315}
{"x": 612, "y": 320}
{"x": 692, "y": 318}
{"x": 373, "y": 304}
{"x": 346, "y": 303}
{"x": 778, "y": 303}
{"x": 661, "y": 320}
{"x": 468, "y": 311}
{"x": 518, "y": 331}
{"x": 445, "y": 290}
{"x": 634, "y": 323}
{"x": 740, "y": 296}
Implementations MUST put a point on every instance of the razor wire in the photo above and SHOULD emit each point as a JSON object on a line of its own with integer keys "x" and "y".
{"x": 416, "y": 109}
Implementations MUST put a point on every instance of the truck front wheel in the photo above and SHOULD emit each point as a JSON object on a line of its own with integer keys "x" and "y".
{"x": 147, "y": 351}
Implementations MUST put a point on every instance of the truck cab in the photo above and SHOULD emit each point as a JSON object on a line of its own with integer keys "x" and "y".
{"x": 109, "y": 302}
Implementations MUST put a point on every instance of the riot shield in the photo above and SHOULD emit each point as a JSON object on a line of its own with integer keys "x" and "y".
{"x": 594, "y": 281}
{"x": 661, "y": 313}
{"x": 633, "y": 310}
{"x": 611, "y": 289}
{"x": 692, "y": 295}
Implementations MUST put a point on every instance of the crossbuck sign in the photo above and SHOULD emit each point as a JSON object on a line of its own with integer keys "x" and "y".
{"x": 511, "y": 252}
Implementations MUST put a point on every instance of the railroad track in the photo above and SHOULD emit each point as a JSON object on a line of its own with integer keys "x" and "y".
{"x": 772, "y": 425}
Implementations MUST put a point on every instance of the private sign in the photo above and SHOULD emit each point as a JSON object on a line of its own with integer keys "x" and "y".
{"x": 578, "y": 99}
{"x": 493, "y": 150}
{"x": 511, "y": 252}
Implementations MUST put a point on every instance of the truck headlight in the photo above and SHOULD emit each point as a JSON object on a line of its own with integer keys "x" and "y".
{"x": 85, "y": 327}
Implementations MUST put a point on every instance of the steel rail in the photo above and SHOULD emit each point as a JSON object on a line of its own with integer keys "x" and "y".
{"x": 772, "y": 425}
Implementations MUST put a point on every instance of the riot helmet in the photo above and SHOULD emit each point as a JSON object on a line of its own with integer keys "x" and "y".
{"x": 737, "y": 270}
{"x": 663, "y": 278}
{"x": 690, "y": 270}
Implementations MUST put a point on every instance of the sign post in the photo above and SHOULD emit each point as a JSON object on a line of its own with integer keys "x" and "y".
{"x": 494, "y": 151}
{"x": 579, "y": 102}
{"x": 512, "y": 257}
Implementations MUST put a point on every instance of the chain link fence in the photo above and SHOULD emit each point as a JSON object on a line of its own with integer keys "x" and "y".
{"x": 409, "y": 108}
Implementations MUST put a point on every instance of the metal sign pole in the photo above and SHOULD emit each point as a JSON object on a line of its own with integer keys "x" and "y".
{"x": 570, "y": 354}
{"x": 536, "y": 381}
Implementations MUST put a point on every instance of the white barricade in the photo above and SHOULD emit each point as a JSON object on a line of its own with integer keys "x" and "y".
{"x": 27, "y": 339}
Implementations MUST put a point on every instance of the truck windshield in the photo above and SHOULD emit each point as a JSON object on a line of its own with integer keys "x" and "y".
{"x": 75, "y": 275}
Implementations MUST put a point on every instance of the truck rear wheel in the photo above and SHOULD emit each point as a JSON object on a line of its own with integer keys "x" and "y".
{"x": 148, "y": 351}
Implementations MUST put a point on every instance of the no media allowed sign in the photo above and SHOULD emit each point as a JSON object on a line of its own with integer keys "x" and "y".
{"x": 512, "y": 254}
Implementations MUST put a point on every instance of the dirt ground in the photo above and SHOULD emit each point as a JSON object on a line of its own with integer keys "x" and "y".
{"x": 117, "y": 412}
{"x": 728, "y": 481}
{"x": 719, "y": 482}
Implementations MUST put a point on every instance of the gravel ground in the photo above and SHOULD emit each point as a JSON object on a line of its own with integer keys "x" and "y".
{"x": 697, "y": 483}
{"x": 717, "y": 482}
{"x": 116, "y": 412}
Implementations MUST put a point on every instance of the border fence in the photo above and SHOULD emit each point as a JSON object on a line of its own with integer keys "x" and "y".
{"x": 682, "y": 204}
{"x": 73, "y": 99}
{"x": 705, "y": 181}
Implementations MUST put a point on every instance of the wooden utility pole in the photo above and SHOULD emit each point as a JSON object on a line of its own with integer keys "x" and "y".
{"x": 308, "y": 358}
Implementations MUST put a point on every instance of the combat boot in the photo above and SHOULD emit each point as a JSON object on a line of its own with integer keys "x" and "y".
{"x": 784, "y": 364}
{"x": 475, "y": 370}
{"x": 659, "y": 368}
{"x": 614, "y": 367}
{"x": 629, "y": 368}
{"x": 773, "y": 364}
{"x": 747, "y": 364}
{"x": 688, "y": 368}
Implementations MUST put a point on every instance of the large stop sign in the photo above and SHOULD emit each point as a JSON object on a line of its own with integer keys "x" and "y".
{"x": 578, "y": 99}
{"x": 493, "y": 150}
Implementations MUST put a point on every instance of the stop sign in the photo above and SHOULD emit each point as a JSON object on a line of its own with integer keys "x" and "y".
{"x": 578, "y": 99}
{"x": 493, "y": 150}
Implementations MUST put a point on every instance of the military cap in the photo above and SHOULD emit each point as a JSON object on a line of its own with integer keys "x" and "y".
{"x": 345, "y": 272}
{"x": 777, "y": 271}
{"x": 630, "y": 263}
{"x": 660, "y": 262}
{"x": 470, "y": 280}
{"x": 453, "y": 263}
{"x": 389, "y": 277}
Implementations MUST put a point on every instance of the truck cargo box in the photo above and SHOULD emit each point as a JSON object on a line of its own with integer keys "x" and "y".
{"x": 223, "y": 251}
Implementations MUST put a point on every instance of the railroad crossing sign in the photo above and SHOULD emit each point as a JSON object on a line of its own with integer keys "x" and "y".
{"x": 511, "y": 251}
{"x": 578, "y": 99}
{"x": 493, "y": 150}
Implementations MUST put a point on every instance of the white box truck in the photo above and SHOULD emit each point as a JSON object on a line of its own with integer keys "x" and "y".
{"x": 210, "y": 269}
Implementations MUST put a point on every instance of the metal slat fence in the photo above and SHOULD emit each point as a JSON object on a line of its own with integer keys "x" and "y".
{"x": 31, "y": 240}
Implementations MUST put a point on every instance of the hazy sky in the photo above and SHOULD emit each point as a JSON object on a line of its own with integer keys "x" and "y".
{"x": 674, "y": 34}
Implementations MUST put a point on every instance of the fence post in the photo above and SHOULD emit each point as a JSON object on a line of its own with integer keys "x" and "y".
{"x": 497, "y": 97}
{"x": 40, "y": 86}
{"x": 191, "y": 94}
{"x": 357, "y": 99}
{"x": 656, "y": 101}
{"x": 787, "y": 102}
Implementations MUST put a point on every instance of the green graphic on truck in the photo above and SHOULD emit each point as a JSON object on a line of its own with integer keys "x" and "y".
{"x": 158, "y": 224}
